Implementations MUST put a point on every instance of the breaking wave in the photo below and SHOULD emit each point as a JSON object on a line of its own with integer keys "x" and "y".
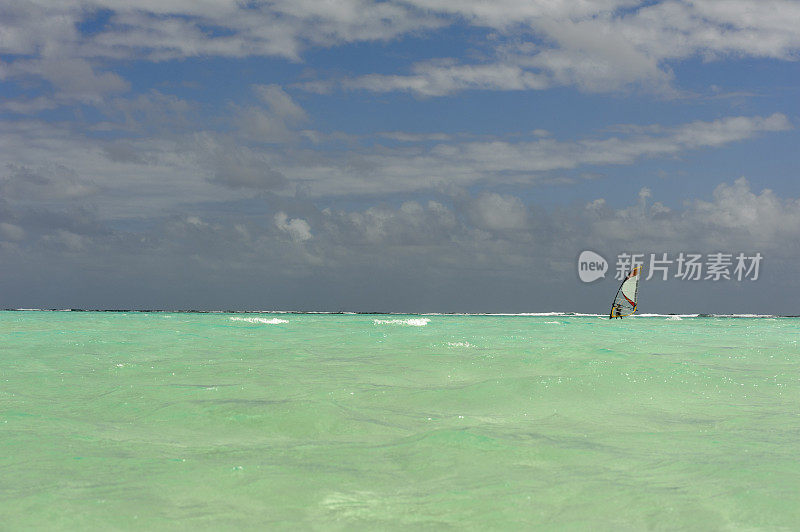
{"x": 414, "y": 322}
{"x": 272, "y": 321}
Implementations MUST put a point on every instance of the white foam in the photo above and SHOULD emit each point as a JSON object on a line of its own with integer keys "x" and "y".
{"x": 414, "y": 322}
{"x": 674, "y": 318}
{"x": 646, "y": 315}
{"x": 542, "y": 314}
{"x": 743, "y": 315}
{"x": 533, "y": 314}
{"x": 513, "y": 314}
{"x": 273, "y": 321}
{"x": 459, "y": 344}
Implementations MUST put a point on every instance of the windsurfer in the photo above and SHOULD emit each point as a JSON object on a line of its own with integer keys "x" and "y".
{"x": 626, "y": 296}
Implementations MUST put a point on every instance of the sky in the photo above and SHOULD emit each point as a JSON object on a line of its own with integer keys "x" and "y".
{"x": 406, "y": 156}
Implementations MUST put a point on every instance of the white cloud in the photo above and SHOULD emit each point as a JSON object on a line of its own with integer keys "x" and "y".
{"x": 240, "y": 167}
{"x": 28, "y": 106}
{"x": 276, "y": 121}
{"x": 597, "y": 46}
{"x": 298, "y": 229}
{"x": 152, "y": 111}
{"x": 48, "y": 182}
{"x": 149, "y": 176}
{"x": 72, "y": 78}
{"x": 497, "y": 212}
{"x": 463, "y": 163}
{"x": 145, "y": 176}
{"x": 411, "y": 224}
{"x": 738, "y": 212}
{"x": 420, "y": 246}
{"x": 503, "y": 14}
{"x": 179, "y": 29}
{"x": 402, "y": 136}
{"x": 67, "y": 240}
{"x": 444, "y": 77}
{"x": 280, "y": 103}
{"x": 11, "y": 232}
{"x": 528, "y": 45}
{"x": 735, "y": 219}
{"x": 259, "y": 125}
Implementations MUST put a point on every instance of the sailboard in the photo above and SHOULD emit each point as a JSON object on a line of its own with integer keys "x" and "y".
{"x": 626, "y": 299}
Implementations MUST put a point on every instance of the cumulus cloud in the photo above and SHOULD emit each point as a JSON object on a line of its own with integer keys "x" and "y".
{"x": 405, "y": 251}
{"x": 411, "y": 224}
{"x": 274, "y": 121}
{"x": 144, "y": 174}
{"x": 736, "y": 218}
{"x": 297, "y": 228}
{"x": 497, "y": 212}
{"x": 736, "y": 212}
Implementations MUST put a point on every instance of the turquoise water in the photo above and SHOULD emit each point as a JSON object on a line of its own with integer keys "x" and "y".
{"x": 342, "y": 422}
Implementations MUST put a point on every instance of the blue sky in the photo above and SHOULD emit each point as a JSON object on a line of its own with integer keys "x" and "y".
{"x": 418, "y": 155}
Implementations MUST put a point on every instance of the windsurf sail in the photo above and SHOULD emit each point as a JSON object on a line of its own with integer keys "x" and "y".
{"x": 625, "y": 301}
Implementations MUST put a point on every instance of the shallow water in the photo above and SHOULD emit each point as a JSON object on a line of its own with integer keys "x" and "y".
{"x": 340, "y": 422}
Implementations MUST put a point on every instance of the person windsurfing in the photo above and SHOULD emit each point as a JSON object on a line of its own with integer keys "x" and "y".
{"x": 625, "y": 300}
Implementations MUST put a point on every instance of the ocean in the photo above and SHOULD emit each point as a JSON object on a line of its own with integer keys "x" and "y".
{"x": 281, "y": 421}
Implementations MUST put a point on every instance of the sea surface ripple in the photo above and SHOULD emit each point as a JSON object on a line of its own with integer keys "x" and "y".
{"x": 285, "y": 421}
